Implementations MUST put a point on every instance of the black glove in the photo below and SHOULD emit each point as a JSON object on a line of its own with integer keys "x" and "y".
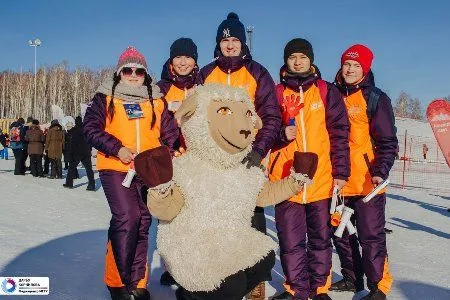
{"x": 253, "y": 159}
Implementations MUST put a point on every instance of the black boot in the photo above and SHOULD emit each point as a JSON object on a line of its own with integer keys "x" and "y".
{"x": 343, "y": 285}
{"x": 141, "y": 294}
{"x": 167, "y": 279}
{"x": 91, "y": 187}
{"x": 284, "y": 296}
{"x": 119, "y": 294}
{"x": 321, "y": 297}
{"x": 68, "y": 186}
{"x": 375, "y": 295}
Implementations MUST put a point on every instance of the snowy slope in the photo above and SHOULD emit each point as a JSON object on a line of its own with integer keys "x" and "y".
{"x": 414, "y": 127}
{"x": 46, "y": 230}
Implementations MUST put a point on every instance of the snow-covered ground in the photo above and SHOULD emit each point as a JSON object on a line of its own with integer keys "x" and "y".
{"x": 46, "y": 230}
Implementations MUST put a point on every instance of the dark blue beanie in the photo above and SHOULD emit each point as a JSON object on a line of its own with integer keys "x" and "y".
{"x": 183, "y": 47}
{"x": 231, "y": 27}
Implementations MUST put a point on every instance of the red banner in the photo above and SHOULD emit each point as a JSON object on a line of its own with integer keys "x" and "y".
{"x": 438, "y": 114}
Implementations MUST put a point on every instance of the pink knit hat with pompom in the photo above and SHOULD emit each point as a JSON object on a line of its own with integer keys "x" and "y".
{"x": 131, "y": 58}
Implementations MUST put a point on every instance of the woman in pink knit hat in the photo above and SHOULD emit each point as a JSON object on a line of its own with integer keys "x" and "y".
{"x": 127, "y": 116}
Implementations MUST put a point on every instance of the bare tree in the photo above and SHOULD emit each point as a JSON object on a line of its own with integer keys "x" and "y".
{"x": 416, "y": 111}
{"x": 55, "y": 85}
{"x": 401, "y": 105}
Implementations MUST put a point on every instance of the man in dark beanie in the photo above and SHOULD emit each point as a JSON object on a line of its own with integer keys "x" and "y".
{"x": 315, "y": 120}
{"x": 234, "y": 66}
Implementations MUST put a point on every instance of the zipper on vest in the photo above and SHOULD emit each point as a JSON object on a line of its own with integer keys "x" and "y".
{"x": 229, "y": 77}
{"x": 138, "y": 137}
{"x": 302, "y": 123}
{"x": 185, "y": 92}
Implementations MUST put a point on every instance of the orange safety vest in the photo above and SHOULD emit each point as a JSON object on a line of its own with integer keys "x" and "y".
{"x": 359, "y": 182}
{"x": 312, "y": 136}
{"x": 135, "y": 134}
{"x": 240, "y": 78}
{"x": 175, "y": 94}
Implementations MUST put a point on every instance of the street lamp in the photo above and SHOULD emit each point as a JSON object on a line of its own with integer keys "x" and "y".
{"x": 249, "y": 30}
{"x": 36, "y": 43}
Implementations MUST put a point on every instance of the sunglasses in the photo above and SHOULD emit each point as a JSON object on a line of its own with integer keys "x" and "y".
{"x": 139, "y": 72}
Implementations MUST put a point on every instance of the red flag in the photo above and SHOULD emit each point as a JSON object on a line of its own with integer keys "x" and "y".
{"x": 438, "y": 114}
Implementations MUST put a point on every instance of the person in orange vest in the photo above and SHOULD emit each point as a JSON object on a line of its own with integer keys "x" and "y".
{"x": 233, "y": 65}
{"x": 373, "y": 147}
{"x": 125, "y": 117}
{"x": 177, "y": 79}
{"x": 314, "y": 120}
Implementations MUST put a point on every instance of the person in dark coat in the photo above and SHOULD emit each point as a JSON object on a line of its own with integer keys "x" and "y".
{"x": 66, "y": 148}
{"x": 35, "y": 139}
{"x": 46, "y": 159}
{"x": 79, "y": 151}
{"x": 17, "y": 145}
{"x": 54, "y": 145}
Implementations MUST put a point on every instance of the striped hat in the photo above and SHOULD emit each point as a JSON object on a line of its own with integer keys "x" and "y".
{"x": 131, "y": 58}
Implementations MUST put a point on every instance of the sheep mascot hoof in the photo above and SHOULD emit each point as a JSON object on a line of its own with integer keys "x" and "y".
{"x": 205, "y": 199}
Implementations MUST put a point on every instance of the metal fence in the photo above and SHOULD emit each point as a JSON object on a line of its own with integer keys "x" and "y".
{"x": 420, "y": 163}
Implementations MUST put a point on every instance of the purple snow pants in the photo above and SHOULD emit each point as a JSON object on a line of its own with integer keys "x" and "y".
{"x": 129, "y": 226}
{"x": 306, "y": 264}
{"x": 370, "y": 222}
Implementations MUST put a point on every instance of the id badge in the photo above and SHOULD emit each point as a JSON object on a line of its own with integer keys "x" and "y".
{"x": 133, "y": 110}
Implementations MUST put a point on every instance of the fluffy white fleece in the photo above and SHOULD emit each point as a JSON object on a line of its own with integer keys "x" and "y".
{"x": 212, "y": 237}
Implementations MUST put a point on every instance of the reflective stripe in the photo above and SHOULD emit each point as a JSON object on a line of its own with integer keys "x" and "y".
{"x": 138, "y": 137}
{"x": 302, "y": 122}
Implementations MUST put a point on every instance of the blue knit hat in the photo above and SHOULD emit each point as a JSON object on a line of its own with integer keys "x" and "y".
{"x": 183, "y": 47}
{"x": 231, "y": 27}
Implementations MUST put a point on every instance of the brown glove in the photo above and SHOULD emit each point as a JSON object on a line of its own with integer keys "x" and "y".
{"x": 154, "y": 166}
{"x": 306, "y": 163}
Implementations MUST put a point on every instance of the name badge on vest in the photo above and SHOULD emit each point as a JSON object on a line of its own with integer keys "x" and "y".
{"x": 133, "y": 110}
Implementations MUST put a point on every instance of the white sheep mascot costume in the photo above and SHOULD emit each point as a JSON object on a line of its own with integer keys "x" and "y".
{"x": 205, "y": 208}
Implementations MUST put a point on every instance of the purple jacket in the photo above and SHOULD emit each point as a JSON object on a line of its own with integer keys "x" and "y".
{"x": 168, "y": 79}
{"x": 266, "y": 103}
{"x": 95, "y": 121}
{"x": 336, "y": 120}
{"x": 382, "y": 124}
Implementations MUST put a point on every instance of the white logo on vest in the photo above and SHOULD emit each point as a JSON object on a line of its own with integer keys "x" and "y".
{"x": 352, "y": 54}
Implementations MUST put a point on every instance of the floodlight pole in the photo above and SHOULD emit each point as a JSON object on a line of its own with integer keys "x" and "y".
{"x": 36, "y": 43}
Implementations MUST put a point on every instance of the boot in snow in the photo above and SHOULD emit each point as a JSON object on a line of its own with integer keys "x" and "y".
{"x": 167, "y": 279}
{"x": 258, "y": 293}
{"x": 375, "y": 295}
{"x": 343, "y": 285}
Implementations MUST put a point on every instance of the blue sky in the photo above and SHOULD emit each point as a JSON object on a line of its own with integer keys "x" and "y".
{"x": 410, "y": 39}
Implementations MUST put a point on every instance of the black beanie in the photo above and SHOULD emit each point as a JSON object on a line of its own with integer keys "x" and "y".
{"x": 299, "y": 46}
{"x": 231, "y": 27}
{"x": 183, "y": 47}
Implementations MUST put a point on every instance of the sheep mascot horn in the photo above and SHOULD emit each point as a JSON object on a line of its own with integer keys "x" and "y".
{"x": 205, "y": 199}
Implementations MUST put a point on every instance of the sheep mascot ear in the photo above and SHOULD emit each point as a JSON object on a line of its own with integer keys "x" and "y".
{"x": 258, "y": 123}
{"x": 187, "y": 108}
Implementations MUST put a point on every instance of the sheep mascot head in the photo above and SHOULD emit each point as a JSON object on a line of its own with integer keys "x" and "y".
{"x": 219, "y": 124}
